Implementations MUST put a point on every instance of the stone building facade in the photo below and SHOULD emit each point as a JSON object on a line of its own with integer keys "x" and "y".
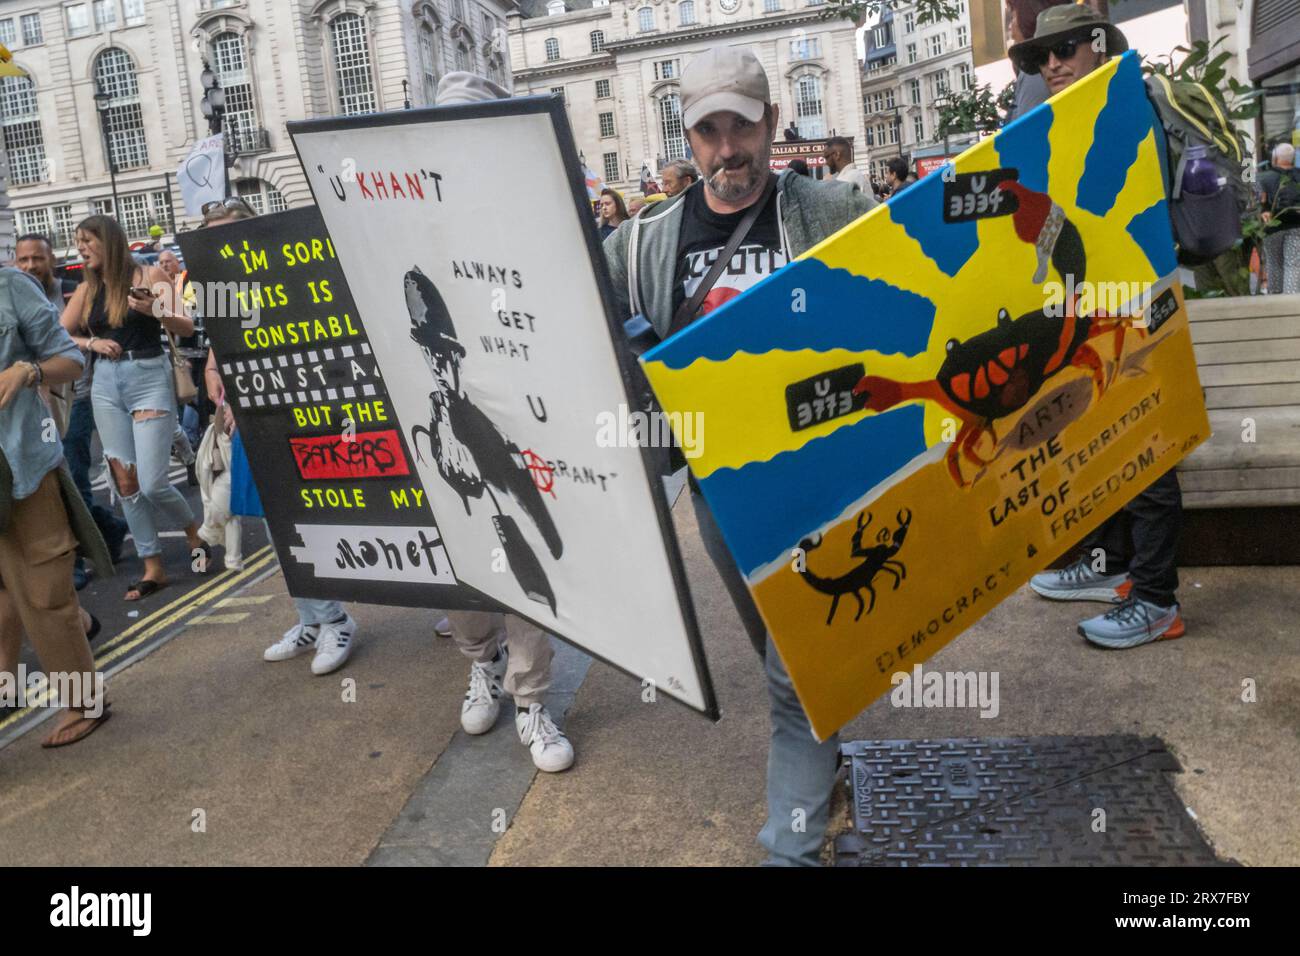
{"x": 277, "y": 61}
{"x": 618, "y": 65}
{"x": 908, "y": 68}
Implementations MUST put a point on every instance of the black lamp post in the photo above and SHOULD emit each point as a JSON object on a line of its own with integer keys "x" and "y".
{"x": 102, "y": 105}
{"x": 213, "y": 105}
{"x": 213, "y": 108}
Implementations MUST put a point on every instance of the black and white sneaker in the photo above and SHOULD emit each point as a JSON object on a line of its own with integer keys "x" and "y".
{"x": 334, "y": 645}
{"x": 299, "y": 639}
{"x": 550, "y": 748}
{"x": 482, "y": 704}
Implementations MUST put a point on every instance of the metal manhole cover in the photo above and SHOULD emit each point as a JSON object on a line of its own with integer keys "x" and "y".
{"x": 1016, "y": 801}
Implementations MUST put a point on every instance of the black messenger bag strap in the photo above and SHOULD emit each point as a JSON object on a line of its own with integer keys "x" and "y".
{"x": 686, "y": 311}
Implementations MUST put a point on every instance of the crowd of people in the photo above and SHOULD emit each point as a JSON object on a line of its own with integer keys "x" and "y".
{"x": 667, "y": 267}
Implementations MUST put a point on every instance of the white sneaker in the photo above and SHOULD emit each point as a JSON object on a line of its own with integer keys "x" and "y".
{"x": 478, "y": 714}
{"x": 334, "y": 646}
{"x": 299, "y": 639}
{"x": 551, "y": 750}
{"x": 443, "y": 628}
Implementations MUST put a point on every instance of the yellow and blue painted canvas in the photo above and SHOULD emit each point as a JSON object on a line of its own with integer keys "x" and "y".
{"x": 907, "y": 422}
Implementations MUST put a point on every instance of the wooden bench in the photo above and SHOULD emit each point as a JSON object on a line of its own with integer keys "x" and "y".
{"x": 1248, "y": 355}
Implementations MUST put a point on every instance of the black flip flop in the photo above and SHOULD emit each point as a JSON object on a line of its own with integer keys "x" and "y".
{"x": 95, "y": 628}
{"x": 144, "y": 588}
{"x": 89, "y": 726}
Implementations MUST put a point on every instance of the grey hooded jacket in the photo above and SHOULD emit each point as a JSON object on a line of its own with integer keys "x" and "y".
{"x": 642, "y": 252}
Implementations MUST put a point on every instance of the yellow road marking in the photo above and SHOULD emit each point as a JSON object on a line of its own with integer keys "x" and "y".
{"x": 213, "y": 588}
{"x": 218, "y": 618}
{"x": 42, "y": 801}
{"x": 186, "y": 598}
{"x": 243, "y": 601}
{"x": 102, "y": 661}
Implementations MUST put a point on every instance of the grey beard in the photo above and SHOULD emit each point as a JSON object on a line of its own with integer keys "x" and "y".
{"x": 729, "y": 192}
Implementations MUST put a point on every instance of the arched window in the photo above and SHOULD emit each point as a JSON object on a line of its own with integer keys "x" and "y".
{"x": 552, "y": 48}
{"x": 809, "y": 116}
{"x": 686, "y": 12}
{"x": 115, "y": 75}
{"x": 670, "y": 125}
{"x": 22, "y": 131}
{"x": 645, "y": 19}
{"x": 555, "y": 8}
{"x": 462, "y": 58}
{"x": 261, "y": 195}
{"x": 355, "y": 82}
{"x": 230, "y": 63}
{"x": 428, "y": 43}
{"x": 597, "y": 41}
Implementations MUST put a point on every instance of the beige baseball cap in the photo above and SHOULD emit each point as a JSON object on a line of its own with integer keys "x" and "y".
{"x": 724, "y": 78}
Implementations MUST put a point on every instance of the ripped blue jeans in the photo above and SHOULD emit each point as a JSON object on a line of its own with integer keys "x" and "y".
{"x": 119, "y": 389}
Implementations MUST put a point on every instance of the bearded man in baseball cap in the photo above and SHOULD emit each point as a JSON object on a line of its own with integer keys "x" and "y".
{"x": 668, "y": 268}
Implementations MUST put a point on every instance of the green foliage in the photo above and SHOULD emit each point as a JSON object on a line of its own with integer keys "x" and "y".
{"x": 975, "y": 110}
{"x": 927, "y": 11}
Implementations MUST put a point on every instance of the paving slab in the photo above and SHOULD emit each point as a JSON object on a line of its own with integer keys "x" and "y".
{"x": 469, "y": 797}
{"x": 657, "y": 785}
{"x": 285, "y": 771}
{"x": 1241, "y": 762}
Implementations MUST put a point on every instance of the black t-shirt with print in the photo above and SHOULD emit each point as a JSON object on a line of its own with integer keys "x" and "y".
{"x": 705, "y": 233}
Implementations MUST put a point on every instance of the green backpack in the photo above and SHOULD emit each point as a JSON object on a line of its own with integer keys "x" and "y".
{"x": 1191, "y": 115}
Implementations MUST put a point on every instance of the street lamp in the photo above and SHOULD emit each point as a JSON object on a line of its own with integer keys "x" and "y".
{"x": 213, "y": 108}
{"x": 213, "y": 105}
{"x": 103, "y": 103}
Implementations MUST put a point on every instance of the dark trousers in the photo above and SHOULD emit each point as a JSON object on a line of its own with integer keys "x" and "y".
{"x": 716, "y": 548}
{"x": 1142, "y": 538}
{"x": 76, "y": 447}
{"x": 76, "y": 451}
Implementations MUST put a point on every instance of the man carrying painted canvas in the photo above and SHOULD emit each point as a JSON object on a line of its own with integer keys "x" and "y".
{"x": 693, "y": 252}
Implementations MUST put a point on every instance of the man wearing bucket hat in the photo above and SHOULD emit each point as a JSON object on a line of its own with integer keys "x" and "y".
{"x": 687, "y": 256}
{"x": 1130, "y": 561}
{"x": 1069, "y": 42}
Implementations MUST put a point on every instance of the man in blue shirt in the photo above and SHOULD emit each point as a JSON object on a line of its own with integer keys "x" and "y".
{"x": 35, "y": 256}
{"x": 37, "y": 543}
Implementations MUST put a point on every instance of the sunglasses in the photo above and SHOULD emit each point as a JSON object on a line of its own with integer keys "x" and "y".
{"x": 234, "y": 202}
{"x": 1035, "y": 58}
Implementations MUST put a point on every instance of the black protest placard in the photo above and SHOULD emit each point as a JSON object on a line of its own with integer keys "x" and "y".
{"x": 346, "y": 508}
